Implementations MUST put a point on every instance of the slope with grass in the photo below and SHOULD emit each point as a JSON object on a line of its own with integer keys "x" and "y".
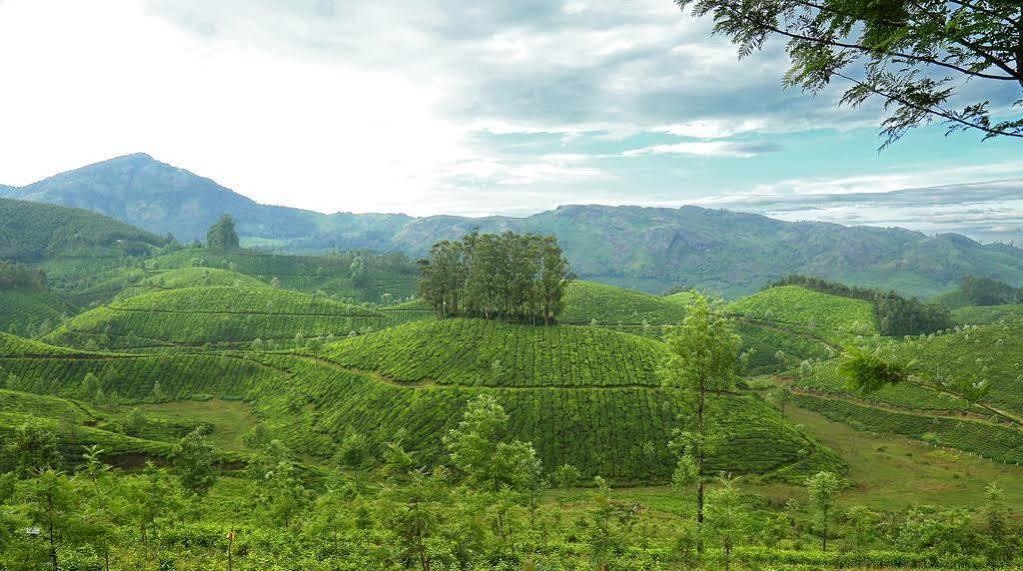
{"x": 925, "y": 407}
{"x": 587, "y": 302}
{"x": 827, "y": 316}
{"x": 189, "y": 277}
{"x": 215, "y": 315}
{"x": 360, "y": 276}
{"x": 992, "y": 353}
{"x": 987, "y": 314}
{"x": 24, "y": 309}
{"x": 477, "y": 352}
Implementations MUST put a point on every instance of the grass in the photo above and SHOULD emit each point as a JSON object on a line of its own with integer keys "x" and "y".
{"x": 230, "y": 419}
{"x": 890, "y": 472}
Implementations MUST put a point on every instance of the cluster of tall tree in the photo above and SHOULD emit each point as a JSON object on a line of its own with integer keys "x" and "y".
{"x": 19, "y": 276}
{"x": 496, "y": 276}
{"x": 222, "y": 235}
{"x": 986, "y": 291}
{"x": 895, "y": 314}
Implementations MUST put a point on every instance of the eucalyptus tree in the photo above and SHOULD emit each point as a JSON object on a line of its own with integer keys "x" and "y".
{"x": 700, "y": 369}
{"x": 823, "y": 488}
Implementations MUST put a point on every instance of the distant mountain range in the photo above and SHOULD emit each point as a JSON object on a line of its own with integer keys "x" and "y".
{"x": 650, "y": 249}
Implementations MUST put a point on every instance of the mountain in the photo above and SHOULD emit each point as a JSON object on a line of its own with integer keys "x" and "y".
{"x": 644, "y": 248}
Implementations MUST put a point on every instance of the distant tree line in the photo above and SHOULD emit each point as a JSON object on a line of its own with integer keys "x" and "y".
{"x": 20, "y": 276}
{"x": 895, "y": 314}
{"x": 496, "y": 276}
{"x": 986, "y": 291}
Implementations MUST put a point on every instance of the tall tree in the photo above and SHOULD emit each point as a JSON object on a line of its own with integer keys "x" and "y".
{"x": 222, "y": 235}
{"x": 728, "y": 519}
{"x": 31, "y": 449}
{"x": 507, "y": 276}
{"x": 823, "y": 487}
{"x": 916, "y": 56}
{"x": 195, "y": 462}
{"x": 701, "y": 367}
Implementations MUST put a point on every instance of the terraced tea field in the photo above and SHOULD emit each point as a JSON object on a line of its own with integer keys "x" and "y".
{"x": 597, "y": 418}
{"x": 835, "y": 318}
{"x": 217, "y": 315}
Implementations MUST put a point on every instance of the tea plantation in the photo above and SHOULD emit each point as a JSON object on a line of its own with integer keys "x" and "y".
{"x": 215, "y": 315}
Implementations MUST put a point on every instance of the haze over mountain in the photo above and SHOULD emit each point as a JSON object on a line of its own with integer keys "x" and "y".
{"x": 647, "y": 248}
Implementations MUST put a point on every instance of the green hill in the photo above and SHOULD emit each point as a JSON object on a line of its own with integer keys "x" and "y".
{"x": 22, "y": 310}
{"x": 610, "y": 305}
{"x": 596, "y": 385}
{"x": 216, "y": 315}
{"x": 476, "y": 352}
{"x": 31, "y": 232}
{"x": 360, "y": 276}
{"x": 828, "y": 316}
{"x": 152, "y": 282}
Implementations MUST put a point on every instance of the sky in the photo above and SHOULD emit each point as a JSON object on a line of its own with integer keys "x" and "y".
{"x": 471, "y": 108}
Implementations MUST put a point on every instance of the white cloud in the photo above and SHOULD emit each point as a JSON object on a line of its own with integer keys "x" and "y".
{"x": 706, "y": 149}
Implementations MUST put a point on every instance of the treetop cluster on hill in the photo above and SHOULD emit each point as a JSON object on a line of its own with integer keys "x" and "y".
{"x": 20, "y": 276}
{"x": 986, "y": 291}
{"x": 496, "y": 276}
{"x": 896, "y": 315}
{"x": 222, "y": 235}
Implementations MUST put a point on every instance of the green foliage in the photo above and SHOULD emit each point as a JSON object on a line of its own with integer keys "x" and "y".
{"x": 222, "y": 235}
{"x": 194, "y": 461}
{"x": 728, "y": 519}
{"x": 30, "y": 449}
{"x": 507, "y": 276}
{"x": 822, "y": 488}
{"x": 867, "y": 372}
{"x": 857, "y": 42}
{"x": 567, "y": 476}
{"x": 987, "y": 291}
{"x": 478, "y": 449}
